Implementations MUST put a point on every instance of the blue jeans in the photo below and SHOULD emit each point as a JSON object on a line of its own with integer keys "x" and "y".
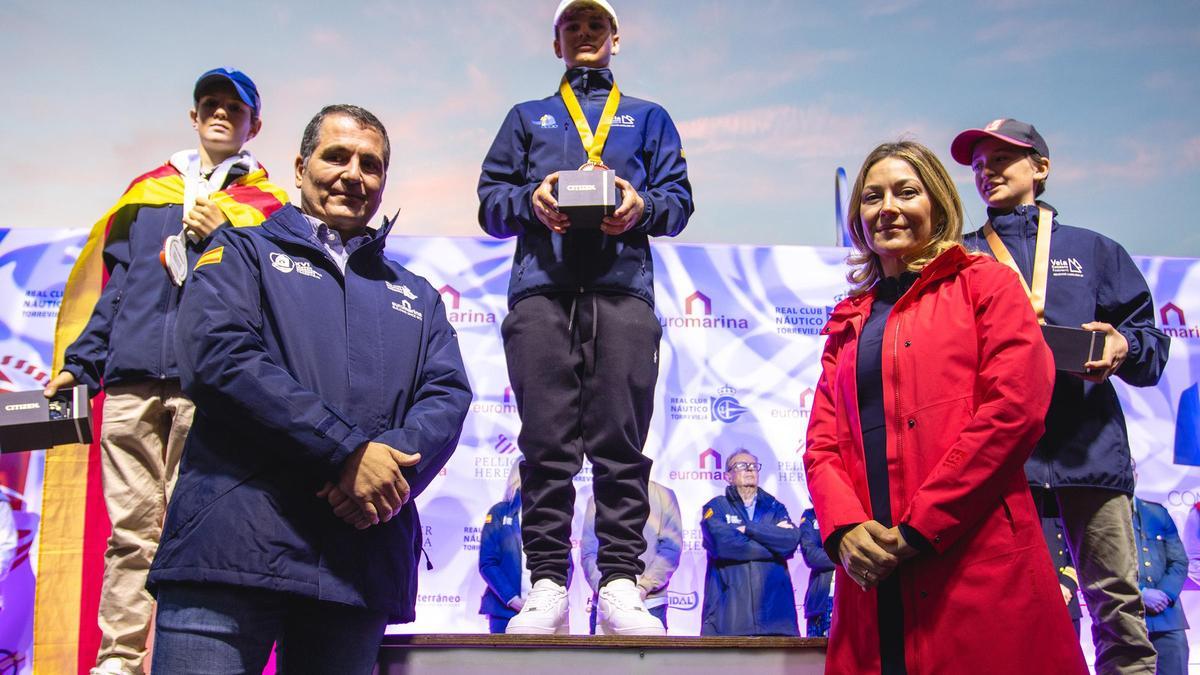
{"x": 213, "y": 629}
{"x": 818, "y": 624}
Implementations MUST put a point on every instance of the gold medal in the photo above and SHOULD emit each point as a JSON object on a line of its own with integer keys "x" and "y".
{"x": 593, "y": 145}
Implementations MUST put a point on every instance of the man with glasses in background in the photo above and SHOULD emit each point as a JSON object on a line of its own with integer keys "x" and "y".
{"x": 749, "y": 539}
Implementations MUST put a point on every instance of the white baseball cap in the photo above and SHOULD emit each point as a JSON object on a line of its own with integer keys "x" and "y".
{"x": 602, "y": 4}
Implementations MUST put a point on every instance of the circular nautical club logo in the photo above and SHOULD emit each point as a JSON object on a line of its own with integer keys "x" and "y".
{"x": 282, "y": 262}
{"x": 724, "y": 407}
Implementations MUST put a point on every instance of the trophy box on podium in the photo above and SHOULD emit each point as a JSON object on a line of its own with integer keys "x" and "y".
{"x": 1073, "y": 347}
{"x": 586, "y": 197}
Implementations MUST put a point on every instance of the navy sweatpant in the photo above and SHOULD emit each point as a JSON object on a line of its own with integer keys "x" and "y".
{"x": 583, "y": 368}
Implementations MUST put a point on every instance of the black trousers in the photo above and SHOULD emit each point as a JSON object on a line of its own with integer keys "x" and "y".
{"x": 583, "y": 368}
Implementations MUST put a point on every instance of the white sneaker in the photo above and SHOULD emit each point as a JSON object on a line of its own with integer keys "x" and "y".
{"x": 544, "y": 613}
{"x": 113, "y": 666}
{"x": 622, "y": 611}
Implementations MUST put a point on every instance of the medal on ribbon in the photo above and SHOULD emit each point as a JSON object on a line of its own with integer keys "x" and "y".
{"x": 174, "y": 259}
{"x": 1041, "y": 261}
{"x": 593, "y": 144}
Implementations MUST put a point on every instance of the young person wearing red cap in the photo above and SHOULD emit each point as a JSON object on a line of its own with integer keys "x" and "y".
{"x": 1077, "y": 278}
{"x": 149, "y": 241}
{"x": 581, "y": 338}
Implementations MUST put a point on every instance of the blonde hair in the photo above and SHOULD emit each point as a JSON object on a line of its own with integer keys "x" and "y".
{"x": 866, "y": 268}
{"x": 513, "y": 486}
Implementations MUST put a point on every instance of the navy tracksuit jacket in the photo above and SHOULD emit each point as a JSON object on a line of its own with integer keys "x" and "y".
{"x": 1091, "y": 278}
{"x": 538, "y": 138}
{"x": 817, "y": 599}
{"x": 292, "y": 366}
{"x": 131, "y": 333}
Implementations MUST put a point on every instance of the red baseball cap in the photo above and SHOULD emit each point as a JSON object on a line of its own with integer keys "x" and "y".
{"x": 1013, "y": 132}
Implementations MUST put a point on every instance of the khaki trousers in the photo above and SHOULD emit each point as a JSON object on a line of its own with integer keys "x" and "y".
{"x": 1098, "y": 524}
{"x": 141, "y": 440}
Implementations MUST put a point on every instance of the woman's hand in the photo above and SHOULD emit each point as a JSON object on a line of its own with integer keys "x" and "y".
{"x": 864, "y": 553}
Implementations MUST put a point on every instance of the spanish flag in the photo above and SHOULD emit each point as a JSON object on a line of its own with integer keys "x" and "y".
{"x": 74, "y": 518}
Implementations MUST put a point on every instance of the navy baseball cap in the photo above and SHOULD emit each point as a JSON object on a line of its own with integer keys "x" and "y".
{"x": 241, "y": 83}
{"x": 1013, "y": 132}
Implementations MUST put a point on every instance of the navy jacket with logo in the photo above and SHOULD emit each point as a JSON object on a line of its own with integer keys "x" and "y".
{"x": 747, "y": 587}
{"x": 537, "y": 139}
{"x": 131, "y": 333}
{"x": 293, "y": 366}
{"x": 817, "y": 599}
{"x": 500, "y": 558}
{"x": 1091, "y": 278}
{"x": 1162, "y": 562}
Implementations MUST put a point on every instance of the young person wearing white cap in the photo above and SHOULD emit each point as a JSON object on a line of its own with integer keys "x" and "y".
{"x": 581, "y": 338}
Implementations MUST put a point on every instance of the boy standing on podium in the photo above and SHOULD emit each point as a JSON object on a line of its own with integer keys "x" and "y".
{"x": 581, "y": 337}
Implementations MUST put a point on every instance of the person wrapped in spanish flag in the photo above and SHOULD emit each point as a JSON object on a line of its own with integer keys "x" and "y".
{"x": 116, "y": 333}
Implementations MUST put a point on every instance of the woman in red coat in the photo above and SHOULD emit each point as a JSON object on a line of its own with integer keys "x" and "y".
{"x": 935, "y": 382}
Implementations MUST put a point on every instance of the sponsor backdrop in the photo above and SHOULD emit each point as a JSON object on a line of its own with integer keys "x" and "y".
{"x": 738, "y": 364}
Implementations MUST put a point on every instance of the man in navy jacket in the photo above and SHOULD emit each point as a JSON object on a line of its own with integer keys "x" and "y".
{"x": 581, "y": 338}
{"x": 500, "y": 563}
{"x": 501, "y": 560}
{"x": 1162, "y": 569}
{"x": 818, "y": 599}
{"x": 749, "y": 539}
{"x": 330, "y": 391}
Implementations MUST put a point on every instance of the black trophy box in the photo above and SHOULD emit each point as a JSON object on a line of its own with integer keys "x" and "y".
{"x": 1073, "y": 347}
{"x": 586, "y": 197}
{"x": 29, "y": 421}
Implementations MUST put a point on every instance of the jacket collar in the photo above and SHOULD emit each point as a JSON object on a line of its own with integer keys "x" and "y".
{"x": 1022, "y": 221}
{"x": 586, "y": 80}
{"x": 762, "y": 499}
{"x": 856, "y": 307}
{"x": 289, "y": 224}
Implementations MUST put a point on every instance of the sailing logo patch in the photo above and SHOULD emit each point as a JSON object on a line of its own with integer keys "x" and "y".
{"x": 401, "y": 289}
{"x": 1070, "y": 267}
{"x": 282, "y": 262}
{"x": 405, "y": 308}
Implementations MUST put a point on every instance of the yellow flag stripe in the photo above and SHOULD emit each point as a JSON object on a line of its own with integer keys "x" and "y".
{"x": 211, "y": 257}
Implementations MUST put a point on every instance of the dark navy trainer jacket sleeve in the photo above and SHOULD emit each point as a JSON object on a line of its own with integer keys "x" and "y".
{"x": 491, "y": 555}
{"x": 779, "y": 540}
{"x": 226, "y": 368}
{"x": 668, "y": 194}
{"x": 505, "y": 206}
{"x": 1124, "y": 300}
{"x": 86, "y": 357}
{"x": 441, "y": 398}
{"x": 724, "y": 542}
{"x": 810, "y": 545}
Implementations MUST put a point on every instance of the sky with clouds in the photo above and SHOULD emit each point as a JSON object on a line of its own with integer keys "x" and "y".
{"x": 769, "y": 96}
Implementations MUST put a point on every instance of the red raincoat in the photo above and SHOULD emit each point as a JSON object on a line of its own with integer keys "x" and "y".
{"x": 967, "y": 381}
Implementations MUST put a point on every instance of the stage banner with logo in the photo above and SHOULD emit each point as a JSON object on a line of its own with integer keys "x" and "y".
{"x": 737, "y": 367}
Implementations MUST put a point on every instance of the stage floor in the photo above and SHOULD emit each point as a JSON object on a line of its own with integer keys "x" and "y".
{"x": 462, "y": 653}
